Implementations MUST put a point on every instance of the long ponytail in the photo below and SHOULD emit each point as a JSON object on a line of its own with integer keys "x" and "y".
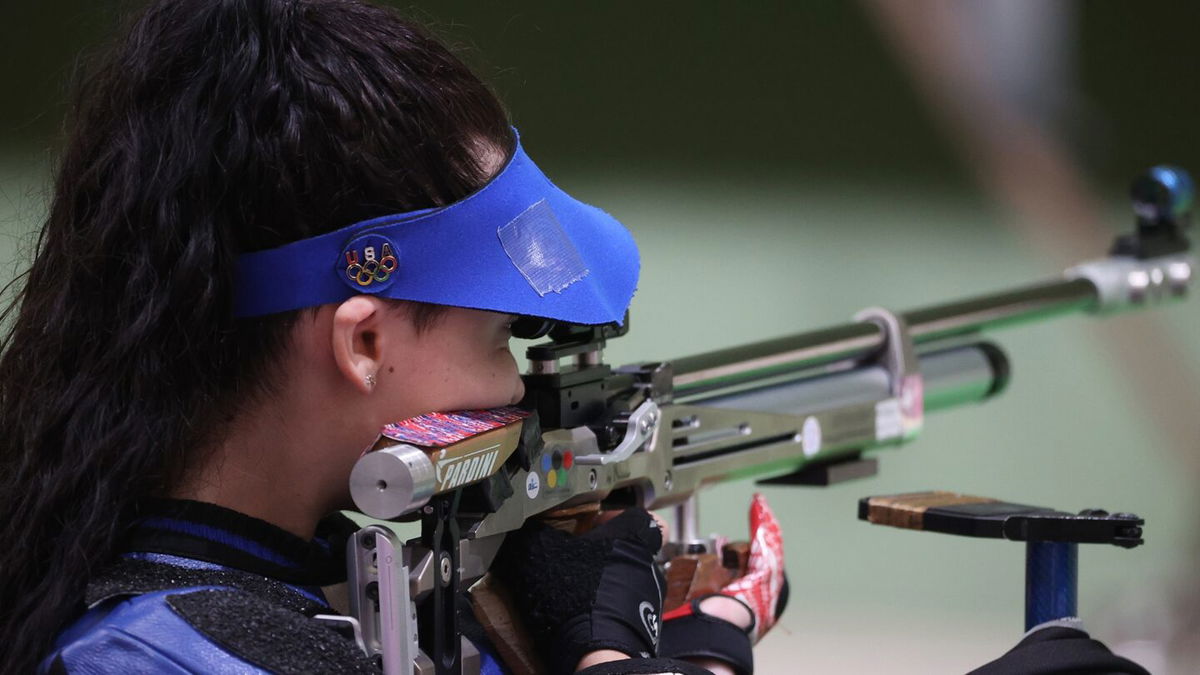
{"x": 215, "y": 127}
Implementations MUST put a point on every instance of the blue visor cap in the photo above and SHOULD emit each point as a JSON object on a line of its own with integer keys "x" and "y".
{"x": 519, "y": 245}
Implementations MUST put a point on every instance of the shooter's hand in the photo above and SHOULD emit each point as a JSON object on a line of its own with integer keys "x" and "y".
{"x": 723, "y": 626}
{"x": 598, "y": 591}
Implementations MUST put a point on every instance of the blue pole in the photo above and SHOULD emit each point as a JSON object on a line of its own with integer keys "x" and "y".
{"x": 1051, "y": 581}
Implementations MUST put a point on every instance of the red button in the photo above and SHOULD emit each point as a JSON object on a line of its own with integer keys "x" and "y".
{"x": 568, "y": 459}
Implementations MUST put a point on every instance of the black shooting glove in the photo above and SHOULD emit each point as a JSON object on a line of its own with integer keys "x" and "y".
{"x": 601, "y": 590}
{"x": 1059, "y": 649}
{"x": 690, "y": 633}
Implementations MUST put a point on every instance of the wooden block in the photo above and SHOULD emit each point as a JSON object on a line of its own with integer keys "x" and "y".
{"x": 493, "y": 606}
{"x": 908, "y": 510}
{"x": 573, "y": 519}
{"x": 693, "y": 575}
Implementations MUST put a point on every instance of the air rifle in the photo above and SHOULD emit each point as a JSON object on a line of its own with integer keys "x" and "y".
{"x": 804, "y": 409}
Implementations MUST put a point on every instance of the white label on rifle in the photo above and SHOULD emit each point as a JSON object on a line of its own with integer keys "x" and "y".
{"x": 533, "y": 485}
{"x": 810, "y": 437}
{"x": 465, "y": 469}
{"x": 889, "y": 420}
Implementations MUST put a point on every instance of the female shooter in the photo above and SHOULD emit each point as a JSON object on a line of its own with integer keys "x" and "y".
{"x": 276, "y": 226}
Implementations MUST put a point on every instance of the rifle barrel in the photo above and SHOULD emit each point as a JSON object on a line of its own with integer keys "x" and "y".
{"x": 861, "y": 340}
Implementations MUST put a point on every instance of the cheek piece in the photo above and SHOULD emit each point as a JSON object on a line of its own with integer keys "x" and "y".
{"x": 518, "y": 245}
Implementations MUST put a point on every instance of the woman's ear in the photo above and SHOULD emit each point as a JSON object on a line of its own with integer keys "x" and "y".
{"x": 358, "y": 340}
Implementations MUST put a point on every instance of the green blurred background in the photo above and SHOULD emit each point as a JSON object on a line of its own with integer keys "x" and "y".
{"x": 780, "y": 171}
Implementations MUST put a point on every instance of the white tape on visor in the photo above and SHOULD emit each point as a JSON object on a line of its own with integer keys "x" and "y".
{"x": 539, "y": 248}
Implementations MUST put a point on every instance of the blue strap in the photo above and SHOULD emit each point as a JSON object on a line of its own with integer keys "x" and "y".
{"x": 519, "y": 245}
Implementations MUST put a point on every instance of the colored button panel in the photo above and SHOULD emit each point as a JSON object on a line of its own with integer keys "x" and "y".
{"x": 554, "y": 466}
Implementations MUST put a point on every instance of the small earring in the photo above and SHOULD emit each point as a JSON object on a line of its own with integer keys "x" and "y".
{"x": 369, "y": 380}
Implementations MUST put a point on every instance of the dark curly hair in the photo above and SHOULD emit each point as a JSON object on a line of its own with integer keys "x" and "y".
{"x": 214, "y": 127}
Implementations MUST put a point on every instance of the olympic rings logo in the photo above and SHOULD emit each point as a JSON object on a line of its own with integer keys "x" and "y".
{"x": 373, "y": 269}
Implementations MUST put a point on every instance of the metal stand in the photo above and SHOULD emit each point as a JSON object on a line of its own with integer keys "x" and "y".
{"x": 1052, "y": 538}
{"x": 437, "y": 614}
{"x": 1051, "y": 581}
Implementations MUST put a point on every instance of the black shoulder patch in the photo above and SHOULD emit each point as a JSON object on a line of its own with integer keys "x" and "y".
{"x": 267, "y": 635}
{"x": 135, "y": 577}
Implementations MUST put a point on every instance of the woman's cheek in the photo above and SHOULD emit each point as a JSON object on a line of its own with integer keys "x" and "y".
{"x": 489, "y": 384}
{"x": 509, "y": 377}
{"x": 518, "y": 392}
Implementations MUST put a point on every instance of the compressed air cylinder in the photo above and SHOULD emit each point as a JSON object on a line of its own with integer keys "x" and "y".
{"x": 392, "y": 481}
